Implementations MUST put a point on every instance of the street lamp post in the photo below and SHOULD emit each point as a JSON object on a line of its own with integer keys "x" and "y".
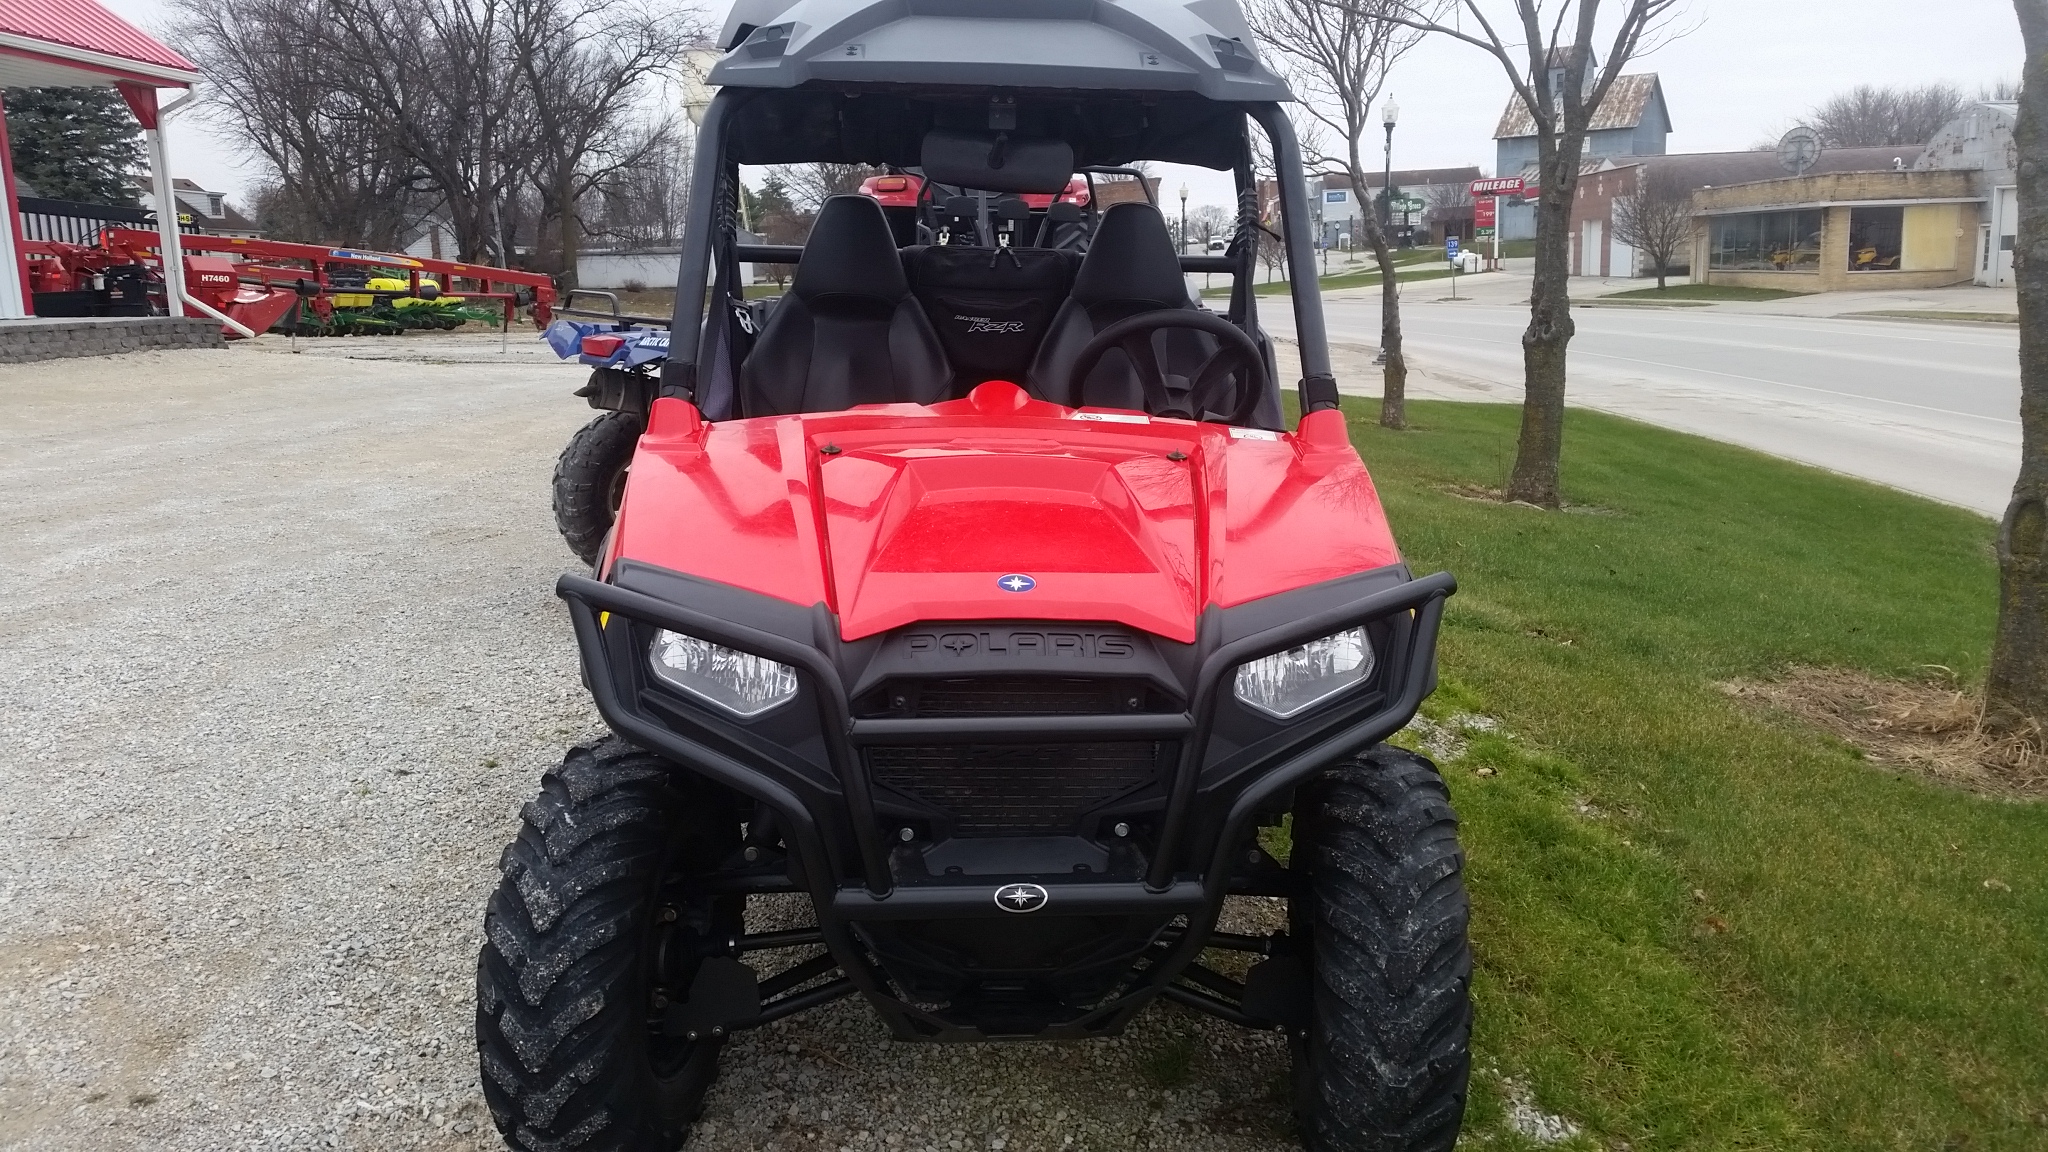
{"x": 1183, "y": 219}
{"x": 1393, "y": 113}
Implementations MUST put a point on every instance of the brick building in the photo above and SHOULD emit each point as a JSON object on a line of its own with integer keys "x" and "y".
{"x": 1839, "y": 231}
{"x": 1598, "y": 250}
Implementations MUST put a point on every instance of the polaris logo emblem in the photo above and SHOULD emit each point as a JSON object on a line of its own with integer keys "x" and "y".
{"x": 1016, "y": 582}
{"x": 1021, "y": 897}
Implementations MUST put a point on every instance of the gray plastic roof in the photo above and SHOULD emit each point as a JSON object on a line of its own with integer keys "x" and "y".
{"x": 1201, "y": 47}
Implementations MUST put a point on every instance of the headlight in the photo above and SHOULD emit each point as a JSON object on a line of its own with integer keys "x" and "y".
{"x": 741, "y": 683}
{"x": 1286, "y": 683}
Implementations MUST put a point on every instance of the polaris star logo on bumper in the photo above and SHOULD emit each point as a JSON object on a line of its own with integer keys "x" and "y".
{"x": 1016, "y": 582}
{"x": 1021, "y": 897}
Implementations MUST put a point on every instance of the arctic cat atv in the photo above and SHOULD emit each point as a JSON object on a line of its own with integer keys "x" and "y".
{"x": 982, "y": 596}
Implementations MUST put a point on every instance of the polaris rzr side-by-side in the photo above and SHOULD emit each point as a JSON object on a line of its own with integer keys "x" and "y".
{"x": 978, "y": 592}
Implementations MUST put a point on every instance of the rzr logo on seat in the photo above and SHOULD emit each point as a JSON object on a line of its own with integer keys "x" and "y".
{"x": 991, "y": 325}
{"x": 1073, "y": 645}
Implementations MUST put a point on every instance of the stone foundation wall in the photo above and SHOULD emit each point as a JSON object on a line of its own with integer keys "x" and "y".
{"x": 22, "y": 341}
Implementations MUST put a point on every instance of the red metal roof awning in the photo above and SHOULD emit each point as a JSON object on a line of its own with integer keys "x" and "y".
{"x": 47, "y": 43}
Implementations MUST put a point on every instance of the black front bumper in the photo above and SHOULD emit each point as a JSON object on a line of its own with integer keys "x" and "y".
{"x": 830, "y": 768}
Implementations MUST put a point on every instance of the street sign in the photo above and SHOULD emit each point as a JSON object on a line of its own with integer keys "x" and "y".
{"x": 1451, "y": 249}
{"x": 1504, "y": 186}
{"x": 1407, "y": 204}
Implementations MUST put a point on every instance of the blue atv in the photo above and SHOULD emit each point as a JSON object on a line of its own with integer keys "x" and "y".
{"x": 625, "y": 354}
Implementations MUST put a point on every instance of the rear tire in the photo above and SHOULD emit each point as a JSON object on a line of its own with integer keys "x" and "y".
{"x": 1384, "y": 1062}
{"x": 590, "y": 478}
{"x": 579, "y": 948}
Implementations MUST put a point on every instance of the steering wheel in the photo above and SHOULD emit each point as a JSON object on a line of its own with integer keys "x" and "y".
{"x": 1235, "y": 353}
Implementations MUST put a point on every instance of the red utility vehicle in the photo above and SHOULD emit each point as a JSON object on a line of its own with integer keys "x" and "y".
{"x": 979, "y": 592}
{"x": 906, "y": 189}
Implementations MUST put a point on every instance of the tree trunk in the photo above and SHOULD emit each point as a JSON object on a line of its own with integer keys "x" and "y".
{"x": 1394, "y": 381}
{"x": 566, "y": 196}
{"x": 1394, "y": 389}
{"x": 1535, "y": 475}
{"x": 1660, "y": 275}
{"x": 2016, "y": 691}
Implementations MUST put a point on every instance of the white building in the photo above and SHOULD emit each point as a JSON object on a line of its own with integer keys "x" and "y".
{"x": 1342, "y": 206}
{"x": 1980, "y": 140}
{"x": 206, "y": 213}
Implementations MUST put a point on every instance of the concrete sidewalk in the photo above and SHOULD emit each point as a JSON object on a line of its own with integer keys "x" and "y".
{"x": 1512, "y": 287}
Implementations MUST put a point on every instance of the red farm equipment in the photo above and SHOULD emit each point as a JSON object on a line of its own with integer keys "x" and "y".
{"x": 253, "y": 285}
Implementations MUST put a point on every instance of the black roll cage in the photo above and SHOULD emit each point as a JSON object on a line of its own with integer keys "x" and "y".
{"x": 709, "y": 236}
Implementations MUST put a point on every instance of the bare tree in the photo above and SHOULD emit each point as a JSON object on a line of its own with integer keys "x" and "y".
{"x": 333, "y": 178}
{"x": 810, "y": 185}
{"x": 1557, "y": 86}
{"x": 1445, "y": 204}
{"x": 435, "y": 80}
{"x": 1336, "y": 54}
{"x": 495, "y": 114}
{"x": 2016, "y": 691}
{"x": 1868, "y": 116}
{"x": 1657, "y": 219}
{"x": 1208, "y": 222}
{"x": 647, "y": 202}
{"x": 587, "y": 64}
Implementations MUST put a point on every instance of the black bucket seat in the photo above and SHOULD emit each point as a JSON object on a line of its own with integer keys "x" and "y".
{"x": 849, "y": 331}
{"x": 1130, "y": 268}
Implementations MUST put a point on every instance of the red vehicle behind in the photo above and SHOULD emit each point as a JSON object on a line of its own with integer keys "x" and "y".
{"x": 903, "y": 189}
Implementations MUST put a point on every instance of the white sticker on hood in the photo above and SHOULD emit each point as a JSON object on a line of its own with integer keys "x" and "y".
{"x": 1113, "y": 417}
{"x": 1253, "y": 434}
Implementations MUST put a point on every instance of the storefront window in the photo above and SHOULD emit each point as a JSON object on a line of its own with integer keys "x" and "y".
{"x": 1876, "y": 238}
{"x": 1767, "y": 241}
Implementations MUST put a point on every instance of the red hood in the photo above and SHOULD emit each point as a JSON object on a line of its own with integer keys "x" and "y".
{"x": 891, "y": 514}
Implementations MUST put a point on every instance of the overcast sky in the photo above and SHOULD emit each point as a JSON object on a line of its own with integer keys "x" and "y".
{"x": 1745, "y": 72}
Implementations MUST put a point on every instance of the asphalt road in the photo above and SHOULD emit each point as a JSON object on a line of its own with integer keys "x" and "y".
{"x": 1932, "y": 408}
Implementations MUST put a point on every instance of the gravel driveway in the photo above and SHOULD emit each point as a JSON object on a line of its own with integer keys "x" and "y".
{"x": 281, "y": 662}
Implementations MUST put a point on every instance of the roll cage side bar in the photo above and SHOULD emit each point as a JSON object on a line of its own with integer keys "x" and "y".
{"x": 710, "y": 216}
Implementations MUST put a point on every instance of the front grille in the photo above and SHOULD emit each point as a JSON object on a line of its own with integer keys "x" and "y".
{"x": 1025, "y": 696}
{"x": 1016, "y": 789}
{"x": 1015, "y": 696}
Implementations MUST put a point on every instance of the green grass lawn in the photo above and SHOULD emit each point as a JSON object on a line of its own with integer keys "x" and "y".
{"x": 1702, "y": 292}
{"x": 1698, "y": 927}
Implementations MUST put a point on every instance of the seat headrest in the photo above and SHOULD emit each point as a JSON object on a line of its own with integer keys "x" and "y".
{"x": 1131, "y": 261}
{"x": 851, "y": 252}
